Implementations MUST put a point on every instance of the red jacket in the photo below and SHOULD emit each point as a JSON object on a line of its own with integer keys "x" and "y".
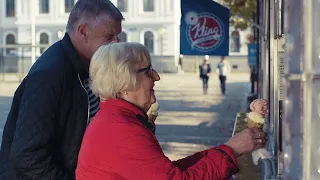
{"x": 118, "y": 146}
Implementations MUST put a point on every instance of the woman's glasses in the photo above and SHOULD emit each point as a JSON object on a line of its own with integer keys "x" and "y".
{"x": 148, "y": 70}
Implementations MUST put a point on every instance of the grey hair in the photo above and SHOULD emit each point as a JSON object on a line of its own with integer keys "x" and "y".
{"x": 91, "y": 11}
{"x": 113, "y": 68}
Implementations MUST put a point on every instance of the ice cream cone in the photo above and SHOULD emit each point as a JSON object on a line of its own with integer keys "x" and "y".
{"x": 153, "y": 110}
{"x": 255, "y": 120}
{"x": 253, "y": 124}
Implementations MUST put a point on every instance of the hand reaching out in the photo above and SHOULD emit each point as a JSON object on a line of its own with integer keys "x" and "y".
{"x": 247, "y": 140}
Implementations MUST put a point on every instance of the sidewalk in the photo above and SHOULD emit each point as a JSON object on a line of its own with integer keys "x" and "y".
{"x": 188, "y": 121}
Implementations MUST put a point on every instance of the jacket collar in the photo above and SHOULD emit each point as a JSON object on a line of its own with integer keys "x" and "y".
{"x": 72, "y": 55}
{"x": 124, "y": 105}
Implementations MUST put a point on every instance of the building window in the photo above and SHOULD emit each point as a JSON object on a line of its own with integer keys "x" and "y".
{"x": 122, "y": 5}
{"x": 149, "y": 41}
{"x": 172, "y": 5}
{"x": 10, "y": 40}
{"x": 43, "y": 6}
{"x": 123, "y": 37}
{"x": 235, "y": 41}
{"x": 68, "y": 5}
{"x": 148, "y": 5}
{"x": 10, "y": 8}
{"x": 44, "y": 40}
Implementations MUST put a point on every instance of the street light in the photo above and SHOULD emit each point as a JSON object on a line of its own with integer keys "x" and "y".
{"x": 60, "y": 34}
{"x": 162, "y": 32}
{"x": 33, "y": 31}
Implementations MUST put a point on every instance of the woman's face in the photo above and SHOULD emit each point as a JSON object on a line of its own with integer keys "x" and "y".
{"x": 144, "y": 95}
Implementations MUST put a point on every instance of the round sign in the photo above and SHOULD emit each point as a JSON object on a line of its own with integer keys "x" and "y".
{"x": 205, "y": 31}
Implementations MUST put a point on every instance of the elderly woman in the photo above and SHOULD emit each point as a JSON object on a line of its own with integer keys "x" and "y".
{"x": 120, "y": 142}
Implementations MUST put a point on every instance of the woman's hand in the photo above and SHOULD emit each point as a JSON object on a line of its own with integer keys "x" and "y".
{"x": 247, "y": 140}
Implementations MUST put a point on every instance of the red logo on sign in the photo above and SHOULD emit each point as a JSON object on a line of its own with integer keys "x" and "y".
{"x": 205, "y": 31}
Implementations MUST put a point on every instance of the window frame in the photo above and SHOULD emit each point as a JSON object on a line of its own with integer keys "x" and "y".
{"x": 8, "y": 3}
{"x": 40, "y": 7}
{"x": 233, "y": 43}
{"x": 148, "y": 11}
{"x": 126, "y": 6}
{"x": 38, "y": 35}
{"x": 64, "y": 6}
{"x": 5, "y": 40}
{"x": 153, "y": 40}
{"x": 126, "y": 33}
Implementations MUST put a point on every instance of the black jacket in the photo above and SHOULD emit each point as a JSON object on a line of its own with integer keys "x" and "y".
{"x": 204, "y": 73}
{"x": 48, "y": 117}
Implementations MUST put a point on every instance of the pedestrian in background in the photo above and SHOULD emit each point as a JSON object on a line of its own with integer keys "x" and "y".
{"x": 205, "y": 70}
{"x": 223, "y": 69}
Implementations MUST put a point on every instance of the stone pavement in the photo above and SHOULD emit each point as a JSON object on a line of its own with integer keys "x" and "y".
{"x": 188, "y": 121}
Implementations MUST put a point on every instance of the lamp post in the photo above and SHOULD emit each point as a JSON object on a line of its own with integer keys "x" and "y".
{"x": 33, "y": 31}
{"x": 162, "y": 31}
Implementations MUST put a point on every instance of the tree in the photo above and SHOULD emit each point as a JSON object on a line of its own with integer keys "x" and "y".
{"x": 244, "y": 8}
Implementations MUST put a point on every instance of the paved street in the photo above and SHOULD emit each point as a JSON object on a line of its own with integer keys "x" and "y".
{"x": 188, "y": 120}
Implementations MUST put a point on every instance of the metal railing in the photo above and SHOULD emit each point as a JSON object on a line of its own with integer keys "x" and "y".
{"x": 16, "y": 60}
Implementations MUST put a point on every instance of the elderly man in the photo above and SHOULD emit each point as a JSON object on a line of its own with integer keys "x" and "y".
{"x": 54, "y": 104}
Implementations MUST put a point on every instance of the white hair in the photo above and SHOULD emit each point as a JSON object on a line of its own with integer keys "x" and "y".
{"x": 113, "y": 68}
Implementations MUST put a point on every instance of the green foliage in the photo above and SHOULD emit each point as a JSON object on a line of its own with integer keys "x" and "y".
{"x": 244, "y": 8}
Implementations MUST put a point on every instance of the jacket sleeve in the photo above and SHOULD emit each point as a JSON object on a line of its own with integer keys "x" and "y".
{"x": 188, "y": 161}
{"x": 143, "y": 158}
{"x": 31, "y": 151}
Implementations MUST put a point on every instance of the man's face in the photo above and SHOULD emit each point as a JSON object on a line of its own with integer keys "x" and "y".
{"x": 102, "y": 33}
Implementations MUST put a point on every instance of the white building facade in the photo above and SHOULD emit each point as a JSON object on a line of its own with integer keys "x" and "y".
{"x": 154, "y": 23}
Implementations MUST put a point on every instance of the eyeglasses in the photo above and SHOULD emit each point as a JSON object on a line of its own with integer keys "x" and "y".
{"x": 148, "y": 70}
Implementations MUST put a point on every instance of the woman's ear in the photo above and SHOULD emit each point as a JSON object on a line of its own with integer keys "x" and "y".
{"x": 122, "y": 94}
